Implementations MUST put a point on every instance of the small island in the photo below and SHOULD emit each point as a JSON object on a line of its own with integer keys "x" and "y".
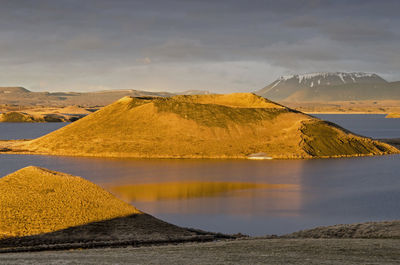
{"x": 215, "y": 126}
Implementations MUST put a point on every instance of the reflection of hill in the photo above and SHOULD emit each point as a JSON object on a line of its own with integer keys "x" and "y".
{"x": 185, "y": 190}
{"x": 133, "y": 230}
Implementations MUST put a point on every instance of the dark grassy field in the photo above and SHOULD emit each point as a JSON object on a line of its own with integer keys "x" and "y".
{"x": 250, "y": 251}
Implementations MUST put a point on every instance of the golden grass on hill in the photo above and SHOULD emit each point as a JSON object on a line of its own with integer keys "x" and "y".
{"x": 14, "y": 116}
{"x": 201, "y": 126}
{"x": 42, "y": 114}
{"x": 186, "y": 190}
{"x": 72, "y": 110}
{"x": 393, "y": 115}
{"x": 35, "y": 200}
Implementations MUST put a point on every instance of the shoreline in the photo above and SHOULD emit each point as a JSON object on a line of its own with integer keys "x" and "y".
{"x": 4, "y": 150}
{"x": 375, "y": 231}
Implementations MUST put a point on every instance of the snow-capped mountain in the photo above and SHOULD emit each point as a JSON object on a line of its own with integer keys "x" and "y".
{"x": 327, "y": 79}
{"x": 297, "y": 87}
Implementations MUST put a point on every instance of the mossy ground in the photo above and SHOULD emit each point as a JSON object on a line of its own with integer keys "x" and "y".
{"x": 393, "y": 115}
{"x": 16, "y": 117}
{"x": 324, "y": 139}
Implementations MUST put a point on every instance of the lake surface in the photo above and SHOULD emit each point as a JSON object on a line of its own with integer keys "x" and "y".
{"x": 370, "y": 125}
{"x": 26, "y": 130}
{"x": 251, "y": 197}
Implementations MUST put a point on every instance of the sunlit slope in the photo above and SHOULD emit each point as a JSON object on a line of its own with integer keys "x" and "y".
{"x": 16, "y": 117}
{"x": 35, "y": 200}
{"x": 202, "y": 126}
{"x": 393, "y": 115}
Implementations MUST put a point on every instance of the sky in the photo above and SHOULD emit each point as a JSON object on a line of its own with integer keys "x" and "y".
{"x": 175, "y": 45}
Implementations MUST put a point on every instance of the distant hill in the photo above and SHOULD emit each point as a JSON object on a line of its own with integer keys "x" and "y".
{"x": 202, "y": 126}
{"x": 23, "y": 97}
{"x": 12, "y": 90}
{"x": 336, "y": 86}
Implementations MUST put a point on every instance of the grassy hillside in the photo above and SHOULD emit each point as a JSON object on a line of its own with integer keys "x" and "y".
{"x": 393, "y": 115}
{"x": 384, "y": 229}
{"x": 23, "y": 97}
{"x": 36, "y": 200}
{"x": 14, "y": 116}
{"x": 205, "y": 126}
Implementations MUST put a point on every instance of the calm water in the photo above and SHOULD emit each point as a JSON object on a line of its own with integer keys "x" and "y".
{"x": 24, "y": 130}
{"x": 371, "y": 125}
{"x": 205, "y": 193}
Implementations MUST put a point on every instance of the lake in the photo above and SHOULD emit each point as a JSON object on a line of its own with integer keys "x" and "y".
{"x": 250, "y": 197}
{"x": 370, "y": 125}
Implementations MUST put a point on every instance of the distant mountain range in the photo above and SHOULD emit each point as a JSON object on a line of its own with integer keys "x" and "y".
{"x": 337, "y": 86}
{"x": 22, "y": 96}
{"x": 312, "y": 87}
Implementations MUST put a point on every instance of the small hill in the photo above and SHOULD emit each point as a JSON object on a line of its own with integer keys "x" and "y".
{"x": 11, "y": 90}
{"x": 73, "y": 109}
{"x": 384, "y": 229}
{"x": 43, "y": 209}
{"x": 201, "y": 126}
{"x": 36, "y": 200}
{"x": 338, "y": 86}
{"x": 23, "y": 97}
{"x": 17, "y": 116}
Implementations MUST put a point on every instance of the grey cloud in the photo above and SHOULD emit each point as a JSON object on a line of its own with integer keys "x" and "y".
{"x": 355, "y": 31}
{"x": 302, "y": 22}
{"x": 117, "y": 43}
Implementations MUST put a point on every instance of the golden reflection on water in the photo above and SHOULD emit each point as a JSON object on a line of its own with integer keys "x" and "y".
{"x": 150, "y": 192}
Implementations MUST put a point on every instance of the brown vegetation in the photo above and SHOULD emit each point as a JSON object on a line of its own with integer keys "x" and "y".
{"x": 42, "y": 209}
{"x": 347, "y": 107}
{"x": 36, "y": 200}
{"x": 387, "y": 229}
{"x": 43, "y": 114}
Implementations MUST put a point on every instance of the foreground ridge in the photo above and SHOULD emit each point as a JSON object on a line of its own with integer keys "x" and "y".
{"x": 47, "y": 210}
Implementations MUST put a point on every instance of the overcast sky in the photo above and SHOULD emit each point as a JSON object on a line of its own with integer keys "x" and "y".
{"x": 176, "y": 45}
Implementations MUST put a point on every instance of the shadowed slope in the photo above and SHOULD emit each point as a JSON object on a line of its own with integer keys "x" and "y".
{"x": 202, "y": 126}
{"x": 36, "y": 200}
{"x": 132, "y": 230}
